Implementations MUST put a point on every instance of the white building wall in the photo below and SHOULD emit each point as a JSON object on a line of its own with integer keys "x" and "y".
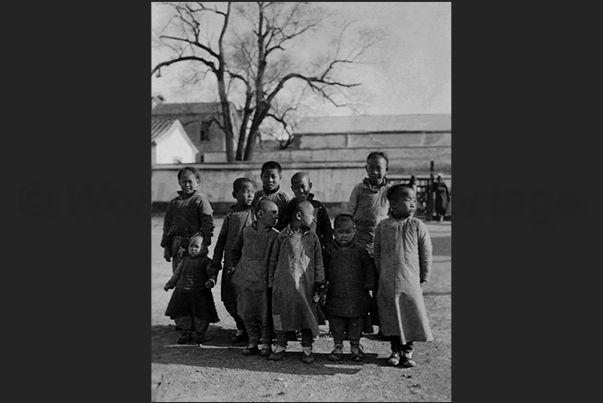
{"x": 173, "y": 148}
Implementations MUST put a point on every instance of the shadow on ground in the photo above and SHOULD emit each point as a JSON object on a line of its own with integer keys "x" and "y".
{"x": 217, "y": 352}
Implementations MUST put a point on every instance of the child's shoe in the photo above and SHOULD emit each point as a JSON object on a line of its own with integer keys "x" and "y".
{"x": 265, "y": 352}
{"x": 277, "y": 356}
{"x": 337, "y": 354}
{"x": 307, "y": 359}
{"x": 407, "y": 361}
{"x": 184, "y": 338}
{"x": 239, "y": 338}
{"x": 357, "y": 356}
{"x": 251, "y": 350}
{"x": 394, "y": 359}
{"x": 198, "y": 338}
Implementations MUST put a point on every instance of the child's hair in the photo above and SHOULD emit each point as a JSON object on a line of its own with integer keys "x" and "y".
{"x": 395, "y": 192}
{"x": 377, "y": 154}
{"x": 271, "y": 165}
{"x": 191, "y": 170}
{"x": 343, "y": 218}
{"x": 196, "y": 235}
{"x": 236, "y": 185}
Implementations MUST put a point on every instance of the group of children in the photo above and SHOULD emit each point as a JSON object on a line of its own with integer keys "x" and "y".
{"x": 285, "y": 269}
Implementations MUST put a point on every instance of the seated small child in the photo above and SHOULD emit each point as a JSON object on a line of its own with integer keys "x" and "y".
{"x": 350, "y": 274}
{"x": 192, "y": 303}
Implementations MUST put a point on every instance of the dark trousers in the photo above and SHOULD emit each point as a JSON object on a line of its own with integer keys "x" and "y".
{"x": 397, "y": 345}
{"x": 307, "y": 338}
{"x": 351, "y": 327}
{"x": 231, "y": 308}
{"x": 190, "y": 324}
{"x": 258, "y": 331}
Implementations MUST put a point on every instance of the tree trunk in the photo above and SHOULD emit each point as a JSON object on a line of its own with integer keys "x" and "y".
{"x": 227, "y": 121}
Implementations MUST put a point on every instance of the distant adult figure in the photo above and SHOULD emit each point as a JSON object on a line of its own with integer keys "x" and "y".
{"x": 412, "y": 183}
{"x": 442, "y": 197}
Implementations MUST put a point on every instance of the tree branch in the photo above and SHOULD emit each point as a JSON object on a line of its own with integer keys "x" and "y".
{"x": 181, "y": 59}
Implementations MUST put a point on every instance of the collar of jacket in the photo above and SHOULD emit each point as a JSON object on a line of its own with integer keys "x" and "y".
{"x": 372, "y": 188}
{"x": 350, "y": 245}
{"x": 289, "y": 231}
{"x": 185, "y": 196}
{"x": 391, "y": 215}
{"x": 271, "y": 192}
{"x": 254, "y": 225}
{"x": 235, "y": 208}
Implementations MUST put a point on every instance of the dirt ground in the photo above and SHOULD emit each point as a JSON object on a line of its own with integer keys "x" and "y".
{"x": 217, "y": 371}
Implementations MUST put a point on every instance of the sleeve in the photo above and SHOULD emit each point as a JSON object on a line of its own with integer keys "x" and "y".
{"x": 219, "y": 248}
{"x": 325, "y": 227}
{"x": 370, "y": 273}
{"x": 447, "y": 192}
{"x": 206, "y": 224}
{"x": 326, "y": 260}
{"x": 209, "y": 270}
{"x": 425, "y": 250}
{"x": 287, "y": 215}
{"x": 377, "y": 248}
{"x": 167, "y": 223}
{"x": 273, "y": 260}
{"x": 237, "y": 250}
{"x": 353, "y": 201}
{"x": 175, "y": 277}
{"x": 319, "y": 268}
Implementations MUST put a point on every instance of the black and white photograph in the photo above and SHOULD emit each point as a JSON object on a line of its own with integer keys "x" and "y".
{"x": 301, "y": 202}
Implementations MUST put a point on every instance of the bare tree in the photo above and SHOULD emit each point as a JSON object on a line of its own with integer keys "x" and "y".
{"x": 258, "y": 59}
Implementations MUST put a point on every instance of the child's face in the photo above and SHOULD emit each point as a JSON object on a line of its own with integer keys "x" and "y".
{"x": 376, "y": 169}
{"x": 269, "y": 216}
{"x": 307, "y": 217}
{"x": 271, "y": 179}
{"x": 188, "y": 182}
{"x": 244, "y": 194}
{"x": 344, "y": 232}
{"x": 301, "y": 187}
{"x": 195, "y": 246}
{"x": 405, "y": 205}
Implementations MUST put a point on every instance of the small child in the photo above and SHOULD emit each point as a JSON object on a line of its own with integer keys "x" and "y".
{"x": 192, "y": 303}
{"x": 301, "y": 186}
{"x": 350, "y": 274}
{"x": 403, "y": 260}
{"x": 271, "y": 190}
{"x": 186, "y": 215}
{"x": 240, "y": 216}
{"x": 296, "y": 274}
{"x": 368, "y": 202}
{"x": 250, "y": 258}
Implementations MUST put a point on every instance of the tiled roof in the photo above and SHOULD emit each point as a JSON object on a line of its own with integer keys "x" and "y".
{"x": 160, "y": 126}
{"x": 195, "y": 108}
{"x": 374, "y": 124}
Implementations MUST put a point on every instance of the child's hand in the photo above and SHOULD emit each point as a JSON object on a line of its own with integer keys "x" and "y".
{"x": 166, "y": 287}
{"x": 316, "y": 298}
{"x": 230, "y": 270}
{"x": 166, "y": 254}
{"x": 210, "y": 283}
{"x": 180, "y": 252}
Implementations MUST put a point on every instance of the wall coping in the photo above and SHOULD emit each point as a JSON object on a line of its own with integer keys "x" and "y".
{"x": 244, "y": 166}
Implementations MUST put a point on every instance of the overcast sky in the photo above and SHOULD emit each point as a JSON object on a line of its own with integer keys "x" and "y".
{"x": 411, "y": 75}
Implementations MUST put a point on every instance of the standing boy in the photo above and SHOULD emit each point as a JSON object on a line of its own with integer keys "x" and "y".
{"x": 296, "y": 275}
{"x": 403, "y": 260}
{"x": 271, "y": 189}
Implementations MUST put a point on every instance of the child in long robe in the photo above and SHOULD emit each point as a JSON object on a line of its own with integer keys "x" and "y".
{"x": 240, "y": 216}
{"x": 296, "y": 275}
{"x": 250, "y": 258}
{"x": 403, "y": 260}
